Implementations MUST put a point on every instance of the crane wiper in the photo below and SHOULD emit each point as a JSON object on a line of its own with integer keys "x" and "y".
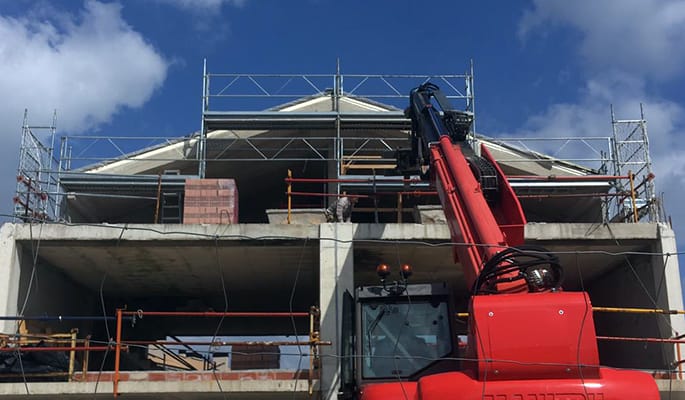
{"x": 373, "y": 325}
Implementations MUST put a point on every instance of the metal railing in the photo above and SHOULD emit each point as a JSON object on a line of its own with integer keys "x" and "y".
{"x": 313, "y": 343}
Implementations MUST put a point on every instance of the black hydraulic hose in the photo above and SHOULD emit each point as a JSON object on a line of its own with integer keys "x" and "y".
{"x": 521, "y": 259}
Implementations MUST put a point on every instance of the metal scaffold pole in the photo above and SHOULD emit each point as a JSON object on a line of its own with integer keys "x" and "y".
{"x": 338, "y": 138}
{"x": 201, "y": 149}
{"x": 37, "y": 186}
{"x": 630, "y": 145}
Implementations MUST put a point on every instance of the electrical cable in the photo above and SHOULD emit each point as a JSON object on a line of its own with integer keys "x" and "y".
{"x": 104, "y": 314}
{"x": 486, "y": 370}
{"x": 657, "y": 295}
{"x": 664, "y": 318}
{"x": 109, "y": 337}
{"x": 639, "y": 280}
{"x": 292, "y": 318}
{"x": 532, "y": 363}
{"x": 397, "y": 242}
{"x": 102, "y": 366}
{"x": 514, "y": 362}
{"x": 34, "y": 257}
{"x": 383, "y": 241}
{"x": 297, "y": 372}
{"x": 582, "y": 326}
{"x": 220, "y": 270}
{"x": 675, "y": 364}
{"x": 399, "y": 334}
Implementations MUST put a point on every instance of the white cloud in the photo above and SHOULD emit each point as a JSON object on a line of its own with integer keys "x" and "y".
{"x": 87, "y": 66}
{"x": 591, "y": 115}
{"x": 205, "y": 16}
{"x": 643, "y": 37}
{"x": 203, "y": 5}
{"x": 624, "y": 45}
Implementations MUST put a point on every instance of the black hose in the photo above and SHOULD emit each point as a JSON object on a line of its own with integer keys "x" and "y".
{"x": 523, "y": 259}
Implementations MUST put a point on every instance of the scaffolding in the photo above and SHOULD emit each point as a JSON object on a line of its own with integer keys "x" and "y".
{"x": 36, "y": 179}
{"x": 68, "y": 346}
{"x": 353, "y": 123}
{"x": 224, "y": 95}
{"x": 631, "y": 157}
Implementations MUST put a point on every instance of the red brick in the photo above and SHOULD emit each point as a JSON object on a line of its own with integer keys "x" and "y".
{"x": 156, "y": 377}
{"x": 210, "y": 201}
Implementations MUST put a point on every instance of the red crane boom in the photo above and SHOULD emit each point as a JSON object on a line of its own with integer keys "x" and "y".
{"x": 527, "y": 339}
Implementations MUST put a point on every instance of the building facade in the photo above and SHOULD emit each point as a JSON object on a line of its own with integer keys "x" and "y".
{"x": 203, "y": 266}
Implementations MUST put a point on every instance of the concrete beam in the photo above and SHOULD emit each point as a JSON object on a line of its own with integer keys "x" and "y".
{"x": 534, "y": 231}
{"x": 401, "y": 232}
{"x": 336, "y": 276}
{"x": 588, "y": 231}
{"x": 167, "y": 232}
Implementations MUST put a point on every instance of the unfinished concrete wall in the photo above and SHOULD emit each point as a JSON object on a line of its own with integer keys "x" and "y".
{"x": 630, "y": 285}
{"x": 10, "y": 271}
{"x": 669, "y": 290}
{"x": 37, "y": 288}
{"x": 47, "y": 291}
{"x": 649, "y": 280}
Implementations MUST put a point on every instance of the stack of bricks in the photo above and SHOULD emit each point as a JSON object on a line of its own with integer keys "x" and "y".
{"x": 255, "y": 357}
{"x": 210, "y": 201}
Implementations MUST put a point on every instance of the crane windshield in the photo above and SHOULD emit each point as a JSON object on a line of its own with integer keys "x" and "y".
{"x": 402, "y": 338}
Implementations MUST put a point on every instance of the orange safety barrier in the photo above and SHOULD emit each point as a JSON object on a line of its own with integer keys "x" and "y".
{"x": 313, "y": 342}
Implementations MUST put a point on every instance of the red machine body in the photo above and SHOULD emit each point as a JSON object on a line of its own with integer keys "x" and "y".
{"x": 613, "y": 385}
{"x": 532, "y": 336}
{"x": 521, "y": 345}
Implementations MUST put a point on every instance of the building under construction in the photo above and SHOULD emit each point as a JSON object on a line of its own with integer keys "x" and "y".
{"x": 203, "y": 266}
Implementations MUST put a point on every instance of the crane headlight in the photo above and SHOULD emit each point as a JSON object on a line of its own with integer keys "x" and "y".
{"x": 383, "y": 271}
{"x": 405, "y": 271}
{"x": 542, "y": 278}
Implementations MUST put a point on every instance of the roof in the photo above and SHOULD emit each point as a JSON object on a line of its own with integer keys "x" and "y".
{"x": 302, "y": 136}
{"x": 311, "y": 116}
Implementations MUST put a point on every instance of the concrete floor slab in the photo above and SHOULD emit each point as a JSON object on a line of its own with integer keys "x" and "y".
{"x": 182, "y": 260}
{"x": 270, "y": 385}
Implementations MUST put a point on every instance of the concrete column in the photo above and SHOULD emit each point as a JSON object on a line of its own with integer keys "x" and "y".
{"x": 667, "y": 278}
{"x": 336, "y": 266}
{"x": 10, "y": 271}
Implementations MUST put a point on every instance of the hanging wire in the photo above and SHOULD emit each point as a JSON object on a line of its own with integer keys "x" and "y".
{"x": 224, "y": 291}
{"x": 582, "y": 327}
{"x": 383, "y": 241}
{"x": 34, "y": 257}
{"x": 292, "y": 318}
{"x": 624, "y": 254}
{"x": 639, "y": 280}
{"x": 101, "y": 293}
{"x": 399, "y": 334}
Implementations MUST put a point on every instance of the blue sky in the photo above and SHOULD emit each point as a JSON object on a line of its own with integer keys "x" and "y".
{"x": 542, "y": 68}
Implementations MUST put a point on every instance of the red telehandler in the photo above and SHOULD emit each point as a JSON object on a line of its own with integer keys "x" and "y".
{"x": 526, "y": 338}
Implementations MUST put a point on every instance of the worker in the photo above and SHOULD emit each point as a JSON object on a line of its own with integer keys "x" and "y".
{"x": 341, "y": 209}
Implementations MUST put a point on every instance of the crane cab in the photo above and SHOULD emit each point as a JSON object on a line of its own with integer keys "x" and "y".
{"x": 397, "y": 333}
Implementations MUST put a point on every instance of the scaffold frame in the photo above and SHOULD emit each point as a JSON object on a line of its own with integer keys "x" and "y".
{"x": 36, "y": 179}
{"x": 631, "y": 157}
{"x": 295, "y": 87}
{"x": 350, "y": 140}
